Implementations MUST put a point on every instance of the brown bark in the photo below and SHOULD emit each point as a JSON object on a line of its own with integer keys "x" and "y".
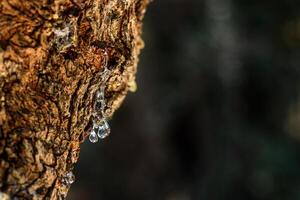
{"x": 52, "y": 55}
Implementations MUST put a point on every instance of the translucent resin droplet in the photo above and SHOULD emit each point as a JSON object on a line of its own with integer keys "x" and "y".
{"x": 93, "y": 137}
{"x": 103, "y": 129}
{"x": 98, "y": 106}
{"x": 69, "y": 178}
{"x": 100, "y": 94}
{"x": 63, "y": 38}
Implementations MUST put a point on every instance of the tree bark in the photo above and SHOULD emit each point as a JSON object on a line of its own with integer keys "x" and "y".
{"x": 52, "y": 57}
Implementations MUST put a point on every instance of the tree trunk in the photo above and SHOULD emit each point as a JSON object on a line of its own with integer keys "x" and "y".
{"x": 53, "y": 55}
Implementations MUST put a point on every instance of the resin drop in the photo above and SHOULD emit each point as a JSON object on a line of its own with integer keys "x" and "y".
{"x": 103, "y": 129}
{"x": 100, "y": 127}
{"x": 69, "y": 178}
{"x": 98, "y": 106}
{"x": 100, "y": 94}
{"x": 93, "y": 137}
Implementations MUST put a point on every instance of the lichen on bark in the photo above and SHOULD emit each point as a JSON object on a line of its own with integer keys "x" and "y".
{"x": 52, "y": 55}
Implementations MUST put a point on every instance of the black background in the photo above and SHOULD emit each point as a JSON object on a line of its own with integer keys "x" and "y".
{"x": 217, "y": 113}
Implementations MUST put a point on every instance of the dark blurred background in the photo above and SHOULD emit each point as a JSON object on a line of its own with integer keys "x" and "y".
{"x": 217, "y": 111}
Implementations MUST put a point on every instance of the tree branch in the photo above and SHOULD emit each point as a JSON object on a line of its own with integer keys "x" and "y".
{"x": 52, "y": 57}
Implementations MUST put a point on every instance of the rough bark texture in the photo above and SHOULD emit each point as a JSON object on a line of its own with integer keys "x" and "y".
{"x": 52, "y": 55}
